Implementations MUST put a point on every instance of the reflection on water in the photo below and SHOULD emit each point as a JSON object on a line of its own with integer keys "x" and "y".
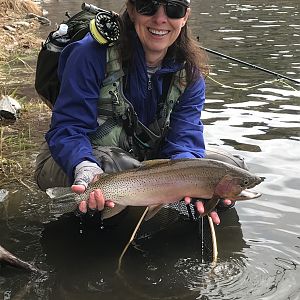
{"x": 246, "y": 112}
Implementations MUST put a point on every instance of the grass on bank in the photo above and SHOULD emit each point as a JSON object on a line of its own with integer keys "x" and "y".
{"x": 17, "y": 39}
{"x": 20, "y": 6}
{"x": 20, "y": 142}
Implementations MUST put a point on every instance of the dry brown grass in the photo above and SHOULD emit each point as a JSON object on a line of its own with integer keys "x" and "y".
{"x": 18, "y": 47}
{"x": 22, "y": 38}
{"x": 20, "y": 7}
{"x": 19, "y": 142}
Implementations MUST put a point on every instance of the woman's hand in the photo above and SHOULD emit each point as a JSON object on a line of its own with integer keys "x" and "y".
{"x": 200, "y": 208}
{"x": 96, "y": 200}
{"x": 85, "y": 173}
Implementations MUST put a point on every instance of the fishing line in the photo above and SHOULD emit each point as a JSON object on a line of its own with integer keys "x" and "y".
{"x": 287, "y": 85}
{"x": 240, "y": 88}
{"x": 202, "y": 240}
{"x": 253, "y": 86}
{"x": 248, "y": 64}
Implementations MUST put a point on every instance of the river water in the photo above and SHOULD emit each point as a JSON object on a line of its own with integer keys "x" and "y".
{"x": 247, "y": 113}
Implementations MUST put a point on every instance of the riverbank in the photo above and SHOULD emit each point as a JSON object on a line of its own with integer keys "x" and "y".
{"x": 19, "y": 45}
{"x": 19, "y": 28}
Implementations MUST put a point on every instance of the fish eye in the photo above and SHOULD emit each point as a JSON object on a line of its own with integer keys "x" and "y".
{"x": 246, "y": 181}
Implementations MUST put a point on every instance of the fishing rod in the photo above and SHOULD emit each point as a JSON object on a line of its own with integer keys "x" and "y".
{"x": 249, "y": 65}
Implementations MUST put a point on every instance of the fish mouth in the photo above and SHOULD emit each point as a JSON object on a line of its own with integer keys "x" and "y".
{"x": 247, "y": 195}
{"x": 257, "y": 181}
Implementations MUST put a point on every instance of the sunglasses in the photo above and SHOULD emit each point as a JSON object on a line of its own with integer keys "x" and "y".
{"x": 173, "y": 9}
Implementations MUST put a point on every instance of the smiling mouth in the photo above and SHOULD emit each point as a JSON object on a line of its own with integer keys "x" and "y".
{"x": 158, "y": 32}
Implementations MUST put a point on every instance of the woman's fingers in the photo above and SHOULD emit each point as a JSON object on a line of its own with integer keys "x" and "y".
{"x": 200, "y": 208}
{"x": 227, "y": 202}
{"x": 78, "y": 188}
{"x": 109, "y": 203}
{"x": 97, "y": 200}
{"x": 92, "y": 203}
{"x": 187, "y": 200}
{"x": 83, "y": 207}
{"x": 215, "y": 217}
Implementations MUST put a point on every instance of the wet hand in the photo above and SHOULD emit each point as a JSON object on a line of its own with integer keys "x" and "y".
{"x": 96, "y": 200}
{"x": 200, "y": 208}
{"x": 85, "y": 173}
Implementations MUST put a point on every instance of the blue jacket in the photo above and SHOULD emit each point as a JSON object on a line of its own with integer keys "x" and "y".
{"x": 81, "y": 72}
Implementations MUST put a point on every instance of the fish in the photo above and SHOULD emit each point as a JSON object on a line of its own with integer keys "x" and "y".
{"x": 8, "y": 258}
{"x": 159, "y": 182}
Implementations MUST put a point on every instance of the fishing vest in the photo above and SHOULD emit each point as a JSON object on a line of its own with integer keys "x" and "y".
{"x": 118, "y": 122}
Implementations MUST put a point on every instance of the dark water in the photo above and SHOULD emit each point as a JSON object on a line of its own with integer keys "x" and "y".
{"x": 258, "y": 242}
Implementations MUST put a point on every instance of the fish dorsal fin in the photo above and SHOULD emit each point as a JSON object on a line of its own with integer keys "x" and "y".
{"x": 103, "y": 175}
{"x": 148, "y": 164}
{"x": 154, "y": 162}
{"x": 99, "y": 176}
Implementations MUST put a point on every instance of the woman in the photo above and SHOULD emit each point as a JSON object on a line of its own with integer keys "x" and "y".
{"x": 143, "y": 96}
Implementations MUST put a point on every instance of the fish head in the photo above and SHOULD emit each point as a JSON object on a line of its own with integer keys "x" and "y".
{"x": 234, "y": 187}
{"x": 248, "y": 180}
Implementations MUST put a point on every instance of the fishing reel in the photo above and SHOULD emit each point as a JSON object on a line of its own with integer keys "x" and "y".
{"x": 104, "y": 27}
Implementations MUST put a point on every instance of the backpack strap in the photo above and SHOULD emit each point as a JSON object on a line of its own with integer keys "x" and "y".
{"x": 177, "y": 86}
{"x": 114, "y": 70}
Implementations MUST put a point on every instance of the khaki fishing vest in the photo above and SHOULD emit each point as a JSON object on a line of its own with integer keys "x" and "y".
{"x": 118, "y": 123}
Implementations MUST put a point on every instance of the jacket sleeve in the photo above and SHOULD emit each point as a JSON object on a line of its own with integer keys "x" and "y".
{"x": 81, "y": 71}
{"x": 185, "y": 135}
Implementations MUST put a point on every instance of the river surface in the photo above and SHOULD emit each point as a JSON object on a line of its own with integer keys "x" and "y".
{"x": 246, "y": 112}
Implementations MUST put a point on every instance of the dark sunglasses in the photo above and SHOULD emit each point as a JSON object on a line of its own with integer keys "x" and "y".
{"x": 173, "y": 9}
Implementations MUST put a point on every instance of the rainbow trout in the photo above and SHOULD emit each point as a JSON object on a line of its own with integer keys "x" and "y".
{"x": 164, "y": 181}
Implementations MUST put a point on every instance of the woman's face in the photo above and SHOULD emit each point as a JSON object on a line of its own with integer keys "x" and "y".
{"x": 156, "y": 32}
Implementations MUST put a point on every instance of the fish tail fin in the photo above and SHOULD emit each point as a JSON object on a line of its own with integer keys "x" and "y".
{"x": 60, "y": 193}
{"x": 63, "y": 200}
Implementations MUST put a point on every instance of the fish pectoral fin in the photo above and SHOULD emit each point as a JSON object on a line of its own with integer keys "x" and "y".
{"x": 109, "y": 212}
{"x": 153, "y": 210}
{"x": 210, "y": 205}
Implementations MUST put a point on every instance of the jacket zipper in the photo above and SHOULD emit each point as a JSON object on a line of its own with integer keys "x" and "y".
{"x": 149, "y": 83}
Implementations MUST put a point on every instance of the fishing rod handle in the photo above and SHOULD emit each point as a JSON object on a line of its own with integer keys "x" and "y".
{"x": 91, "y": 8}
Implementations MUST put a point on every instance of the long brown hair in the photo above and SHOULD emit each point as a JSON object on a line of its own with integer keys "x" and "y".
{"x": 184, "y": 50}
